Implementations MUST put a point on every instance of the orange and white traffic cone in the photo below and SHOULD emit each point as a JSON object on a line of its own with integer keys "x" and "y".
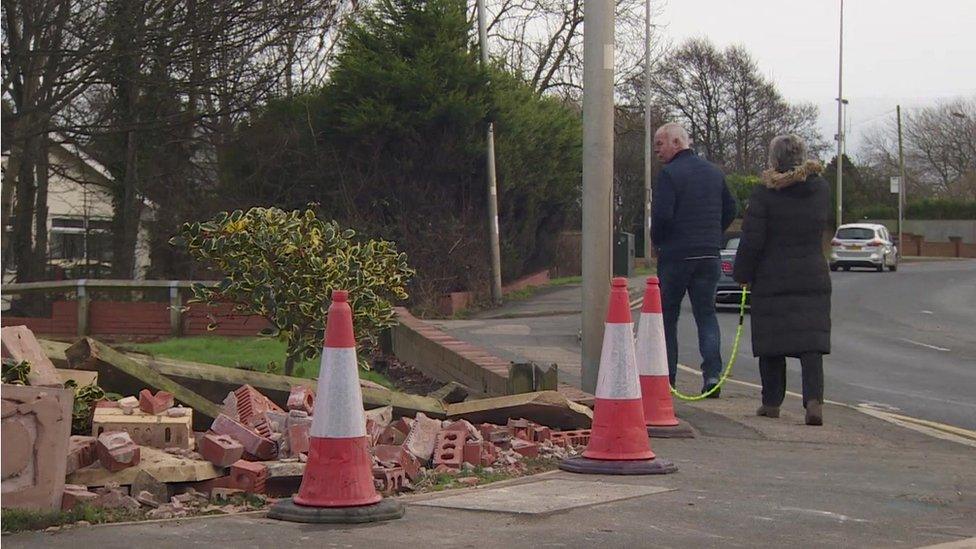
{"x": 618, "y": 440}
{"x": 337, "y": 486}
{"x": 652, "y": 365}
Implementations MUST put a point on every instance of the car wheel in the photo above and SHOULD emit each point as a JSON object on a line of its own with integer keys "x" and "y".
{"x": 846, "y": 268}
{"x": 893, "y": 268}
{"x": 833, "y": 267}
{"x": 881, "y": 266}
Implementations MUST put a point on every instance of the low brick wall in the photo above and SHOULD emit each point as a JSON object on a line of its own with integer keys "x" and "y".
{"x": 445, "y": 358}
{"x": 138, "y": 319}
{"x": 454, "y": 302}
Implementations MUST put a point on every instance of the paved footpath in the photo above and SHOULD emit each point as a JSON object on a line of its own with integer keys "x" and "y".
{"x": 745, "y": 481}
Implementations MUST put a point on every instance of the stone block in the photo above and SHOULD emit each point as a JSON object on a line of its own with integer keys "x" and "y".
{"x": 422, "y": 437}
{"x": 302, "y": 398}
{"x": 75, "y": 494}
{"x": 116, "y": 450}
{"x": 19, "y": 344}
{"x": 156, "y": 431}
{"x": 155, "y": 404}
{"x": 253, "y": 443}
{"x": 36, "y": 425}
{"x": 220, "y": 450}
{"x": 146, "y": 483}
{"x": 128, "y": 404}
{"x": 81, "y": 453}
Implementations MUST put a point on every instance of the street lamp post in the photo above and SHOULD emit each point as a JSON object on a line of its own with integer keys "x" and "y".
{"x": 648, "y": 137}
{"x": 840, "y": 123}
{"x": 598, "y": 60}
{"x": 902, "y": 183}
{"x": 492, "y": 195}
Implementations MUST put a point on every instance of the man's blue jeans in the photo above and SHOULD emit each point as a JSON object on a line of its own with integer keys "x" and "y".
{"x": 699, "y": 277}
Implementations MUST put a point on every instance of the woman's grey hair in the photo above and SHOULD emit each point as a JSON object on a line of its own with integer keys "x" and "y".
{"x": 786, "y": 152}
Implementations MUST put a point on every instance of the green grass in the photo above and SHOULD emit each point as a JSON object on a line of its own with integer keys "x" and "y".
{"x": 260, "y": 354}
{"x": 20, "y": 520}
{"x": 565, "y": 280}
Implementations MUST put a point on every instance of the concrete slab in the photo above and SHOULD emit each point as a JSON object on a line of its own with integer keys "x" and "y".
{"x": 543, "y": 497}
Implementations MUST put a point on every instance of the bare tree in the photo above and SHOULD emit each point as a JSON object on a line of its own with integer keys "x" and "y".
{"x": 939, "y": 145}
{"x": 48, "y": 47}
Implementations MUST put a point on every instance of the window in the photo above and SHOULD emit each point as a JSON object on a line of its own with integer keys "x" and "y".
{"x": 732, "y": 243}
{"x": 855, "y": 233}
{"x": 69, "y": 240}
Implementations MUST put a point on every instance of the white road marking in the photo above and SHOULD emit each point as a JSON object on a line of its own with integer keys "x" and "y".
{"x": 927, "y": 313}
{"x": 828, "y": 514}
{"x": 926, "y": 345}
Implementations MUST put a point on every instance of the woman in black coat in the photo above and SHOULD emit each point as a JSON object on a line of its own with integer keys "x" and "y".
{"x": 781, "y": 258}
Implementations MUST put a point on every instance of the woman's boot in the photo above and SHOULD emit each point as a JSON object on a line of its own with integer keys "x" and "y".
{"x": 814, "y": 412}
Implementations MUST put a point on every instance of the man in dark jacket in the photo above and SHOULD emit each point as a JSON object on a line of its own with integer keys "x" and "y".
{"x": 692, "y": 208}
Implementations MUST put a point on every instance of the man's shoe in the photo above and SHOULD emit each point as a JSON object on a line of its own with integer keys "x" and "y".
{"x": 814, "y": 412}
{"x": 707, "y": 388}
{"x": 768, "y": 411}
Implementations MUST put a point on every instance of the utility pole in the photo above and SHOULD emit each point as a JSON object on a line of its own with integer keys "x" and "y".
{"x": 496, "y": 256}
{"x": 840, "y": 123}
{"x": 902, "y": 183}
{"x": 597, "y": 180}
{"x": 648, "y": 137}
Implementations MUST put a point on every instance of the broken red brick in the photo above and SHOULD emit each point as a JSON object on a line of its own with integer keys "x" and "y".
{"x": 541, "y": 433}
{"x": 404, "y": 424}
{"x": 464, "y": 426}
{"x": 298, "y": 435}
{"x": 397, "y": 455}
{"x": 526, "y": 448}
{"x": 449, "y": 449}
{"x": 579, "y": 437}
{"x": 106, "y": 404}
{"x": 467, "y": 481}
{"x": 81, "y": 453}
{"x": 249, "y": 402}
{"x": 391, "y": 435}
{"x": 301, "y": 397}
{"x": 75, "y": 494}
{"x": 225, "y": 493}
{"x": 393, "y": 479}
{"x": 249, "y": 476}
{"x": 220, "y": 450}
{"x": 472, "y": 452}
{"x": 155, "y": 404}
{"x": 521, "y": 428}
{"x": 253, "y": 443}
{"x": 116, "y": 451}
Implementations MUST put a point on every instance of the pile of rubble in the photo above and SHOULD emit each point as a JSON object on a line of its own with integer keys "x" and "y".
{"x": 253, "y": 436}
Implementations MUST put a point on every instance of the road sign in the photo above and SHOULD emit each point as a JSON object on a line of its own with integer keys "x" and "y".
{"x": 895, "y": 184}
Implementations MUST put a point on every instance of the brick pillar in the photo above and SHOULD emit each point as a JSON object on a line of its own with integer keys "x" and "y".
{"x": 957, "y": 245}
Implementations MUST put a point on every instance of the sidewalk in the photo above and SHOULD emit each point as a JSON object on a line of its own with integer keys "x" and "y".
{"x": 745, "y": 481}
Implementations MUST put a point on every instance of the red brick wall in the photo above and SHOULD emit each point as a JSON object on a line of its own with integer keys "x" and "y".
{"x": 138, "y": 318}
{"x": 121, "y": 318}
{"x": 62, "y": 322}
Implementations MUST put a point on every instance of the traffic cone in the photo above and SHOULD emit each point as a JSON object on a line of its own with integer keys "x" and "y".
{"x": 652, "y": 365}
{"x": 618, "y": 440}
{"x": 337, "y": 486}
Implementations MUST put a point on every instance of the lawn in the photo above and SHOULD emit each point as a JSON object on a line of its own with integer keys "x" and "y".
{"x": 250, "y": 353}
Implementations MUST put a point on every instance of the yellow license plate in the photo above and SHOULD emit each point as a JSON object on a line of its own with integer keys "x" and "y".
{"x": 855, "y": 248}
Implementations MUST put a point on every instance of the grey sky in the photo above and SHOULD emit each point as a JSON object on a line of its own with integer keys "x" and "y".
{"x": 895, "y": 51}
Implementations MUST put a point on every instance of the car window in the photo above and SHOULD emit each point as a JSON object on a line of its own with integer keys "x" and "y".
{"x": 855, "y": 233}
{"x": 732, "y": 243}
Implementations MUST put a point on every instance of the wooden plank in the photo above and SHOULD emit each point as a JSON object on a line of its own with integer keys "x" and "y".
{"x": 20, "y": 287}
{"x": 214, "y": 382}
{"x": 121, "y": 374}
{"x": 163, "y": 466}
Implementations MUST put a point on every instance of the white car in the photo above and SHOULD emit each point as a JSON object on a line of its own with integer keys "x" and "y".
{"x": 863, "y": 245}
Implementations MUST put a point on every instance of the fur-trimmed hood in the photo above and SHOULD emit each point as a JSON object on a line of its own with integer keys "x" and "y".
{"x": 780, "y": 180}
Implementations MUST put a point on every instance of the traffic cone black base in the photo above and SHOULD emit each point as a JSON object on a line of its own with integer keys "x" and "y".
{"x": 287, "y": 509}
{"x": 587, "y": 466}
{"x": 681, "y": 430}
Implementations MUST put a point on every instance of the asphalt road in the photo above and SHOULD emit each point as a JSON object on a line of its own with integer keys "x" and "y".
{"x": 902, "y": 341}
